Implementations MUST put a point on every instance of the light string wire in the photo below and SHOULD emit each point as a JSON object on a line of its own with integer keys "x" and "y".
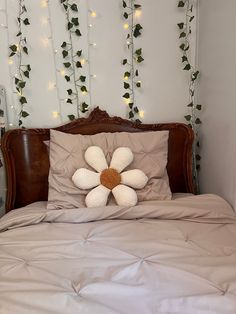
{"x": 10, "y": 63}
{"x": 131, "y": 76}
{"x": 54, "y": 52}
{"x": 192, "y": 118}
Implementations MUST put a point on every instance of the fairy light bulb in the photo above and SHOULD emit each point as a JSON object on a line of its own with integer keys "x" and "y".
{"x": 84, "y": 92}
{"x": 93, "y": 14}
{"x": 51, "y": 86}
{"x": 90, "y": 25}
{"x": 127, "y": 101}
{"x": 126, "y": 78}
{"x": 62, "y": 72}
{"x": 44, "y": 3}
{"x": 137, "y": 13}
{"x": 93, "y": 75}
{"x": 141, "y": 113}
{"x": 126, "y": 26}
{"x": 55, "y": 114}
{"x": 10, "y": 61}
{"x": 82, "y": 61}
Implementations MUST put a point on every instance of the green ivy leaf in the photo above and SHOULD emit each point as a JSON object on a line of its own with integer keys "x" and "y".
{"x": 26, "y": 74}
{"x": 20, "y": 122}
{"x": 67, "y": 78}
{"x": 131, "y": 115}
{"x": 69, "y": 25}
{"x": 124, "y": 61}
{"x": 24, "y": 114}
{"x": 70, "y": 91}
{"x": 28, "y": 67}
{"x": 138, "y": 121}
{"x": 136, "y": 110}
{"x": 136, "y": 73}
{"x": 75, "y": 21}
{"x": 13, "y": 48}
{"x": 187, "y": 67}
{"x": 124, "y": 4}
{"x": 25, "y": 49}
{"x": 74, "y": 7}
{"x": 138, "y": 52}
{"x": 181, "y": 4}
{"x": 126, "y": 85}
{"x": 26, "y": 21}
{"x": 23, "y": 100}
{"x": 138, "y": 84}
{"x": 126, "y": 15}
{"x": 67, "y": 64}
{"x": 83, "y": 89}
{"x": 84, "y": 107}
{"x": 64, "y": 44}
{"x": 82, "y": 78}
{"x": 69, "y": 101}
{"x": 198, "y": 157}
{"x": 180, "y": 25}
{"x": 182, "y": 46}
{"x": 64, "y": 53}
{"x": 79, "y": 53}
{"x": 140, "y": 59}
{"x": 78, "y": 64}
{"x": 126, "y": 95}
{"x": 191, "y": 18}
{"x": 131, "y": 104}
{"x": 190, "y": 105}
{"x": 184, "y": 59}
{"x": 65, "y": 7}
{"x": 71, "y": 117}
{"x": 77, "y": 32}
{"x": 137, "y": 30}
{"x": 137, "y": 6}
{"x": 22, "y": 84}
{"x": 16, "y": 80}
{"x": 18, "y": 34}
{"x": 195, "y": 75}
{"x": 182, "y": 35}
{"x": 198, "y": 121}
{"x": 188, "y": 117}
{"x": 199, "y": 107}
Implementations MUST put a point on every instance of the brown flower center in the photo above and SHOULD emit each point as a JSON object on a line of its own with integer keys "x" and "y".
{"x": 110, "y": 178}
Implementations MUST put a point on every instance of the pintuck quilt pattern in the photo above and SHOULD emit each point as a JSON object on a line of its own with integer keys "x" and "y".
{"x": 174, "y": 256}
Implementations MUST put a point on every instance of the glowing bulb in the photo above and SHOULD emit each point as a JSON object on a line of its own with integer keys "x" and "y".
{"x": 128, "y": 42}
{"x": 138, "y": 13}
{"x": 55, "y": 114}
{"x": 126, "y": 78}
{"x": 10, "y": 124}
{"x": 45, "y": 41}
{"x": 94, "y": 76}
{"x": 126, "y": 26}
{"x": 10, "y": 61}
{"x": 56, "y": 51}
{"x": 94, "y": 44}
{"x": 127, "y": 101}
{"x": 84, "y": 92}
{"x": 19, "y": 94}
{"x": 62, "y": 72}
{"x": 3, "y": 25}
{"x": 141, "y": 113}
{"x": 51, "y": 85}
{"x": 44, "y": 20}
{"x": 12, "y": 107}
{"x": 90, "y": 25}
{"x": 93, "y": 14}
{"x": 44, "y": 3}
{"x": 82, "y": 61}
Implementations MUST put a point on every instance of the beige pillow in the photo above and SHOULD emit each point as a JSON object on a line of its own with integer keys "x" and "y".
{"x": 150, "y": 151}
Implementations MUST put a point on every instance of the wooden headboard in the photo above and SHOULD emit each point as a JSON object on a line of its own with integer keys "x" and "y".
{"x": 27, "y": 161}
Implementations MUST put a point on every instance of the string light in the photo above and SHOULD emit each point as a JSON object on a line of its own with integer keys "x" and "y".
{"x": 137, "y": 13}
{"x": 82, "y": 61}
{"x": 44, "y": 3}
{"x": 93, "y": 14}
{"x": 10, "y": 61}
{"x": 127, "y": 100}
{"x": 93, "y": 75}
{"x": 126, "y": 78}
{"x": 141, "y": 113}
{"x": 3, "y": 25}
{"x": 55, "y": 114}
{"x": 62, "y": 72}
{"x": 126, "y": 26}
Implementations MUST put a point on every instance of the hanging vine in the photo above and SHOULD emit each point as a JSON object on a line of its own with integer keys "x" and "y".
{"x": 192, "y": 117}
{"x": 72, "y": 60}
{"x": 131, "y": 74}
{"x": 18, "y": 50}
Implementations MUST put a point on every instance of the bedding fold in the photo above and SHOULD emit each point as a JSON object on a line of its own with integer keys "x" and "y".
{"x": 207, "y": 208}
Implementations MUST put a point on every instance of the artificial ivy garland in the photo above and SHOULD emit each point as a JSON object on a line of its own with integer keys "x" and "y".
{"x": 18, "y": 49}
{"x": 131, "y": 75}
{"x": 192, "y": 118}
{"x": 72, "y": 59}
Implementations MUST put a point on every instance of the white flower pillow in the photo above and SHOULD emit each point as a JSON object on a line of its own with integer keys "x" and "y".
{"x": 109, "y": 179}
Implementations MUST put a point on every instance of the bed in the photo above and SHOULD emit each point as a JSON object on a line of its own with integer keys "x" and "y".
{"x": 160, "y": 256}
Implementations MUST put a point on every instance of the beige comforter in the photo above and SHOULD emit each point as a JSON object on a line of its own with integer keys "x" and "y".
{"x": 174, "y": 256}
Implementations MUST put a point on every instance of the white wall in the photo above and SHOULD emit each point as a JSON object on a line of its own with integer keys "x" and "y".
{"x": 164, "y": 94}
{"x": 217, "y": 51}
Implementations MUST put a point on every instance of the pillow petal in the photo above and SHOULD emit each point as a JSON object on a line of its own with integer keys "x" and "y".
{"x": 134, "y": 178}
{"x": 97, "y": 197}
{"x": 85, "y": 179}
{"x": 124, "y": 195}
{"x": 95, "y": 158}
{"x": 121, "y": 158}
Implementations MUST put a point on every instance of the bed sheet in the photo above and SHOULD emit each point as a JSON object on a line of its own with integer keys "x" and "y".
{"x": 174, "y": 256}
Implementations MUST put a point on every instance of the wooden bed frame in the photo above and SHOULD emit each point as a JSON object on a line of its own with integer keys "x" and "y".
{"x": 27, "y": 161}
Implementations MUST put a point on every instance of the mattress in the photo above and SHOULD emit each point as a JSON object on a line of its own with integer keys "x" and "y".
{"x": 175, "y": 256}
